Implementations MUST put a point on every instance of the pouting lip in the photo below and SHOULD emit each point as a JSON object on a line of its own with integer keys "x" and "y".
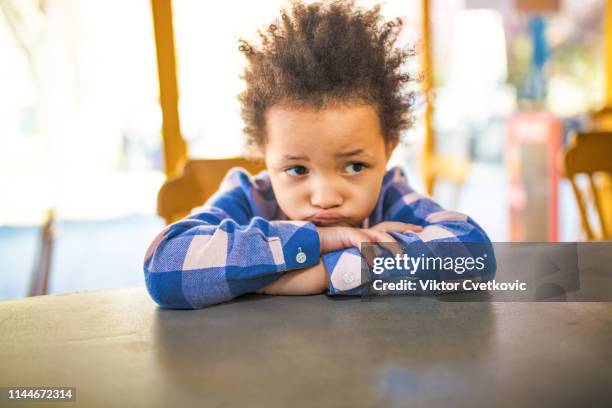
{"x": 327, "y": 222}
{"x": 327, "y": 217}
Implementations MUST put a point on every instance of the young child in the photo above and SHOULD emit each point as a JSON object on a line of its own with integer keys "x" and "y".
{"x": 324, "y": 106}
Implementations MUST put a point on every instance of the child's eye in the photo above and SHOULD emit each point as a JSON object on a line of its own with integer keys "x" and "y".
{"x": 296, "y": 171}
{"x": 354, "y": 168}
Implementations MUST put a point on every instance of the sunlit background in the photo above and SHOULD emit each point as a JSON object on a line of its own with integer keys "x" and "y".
{"x": 80, "y": 121}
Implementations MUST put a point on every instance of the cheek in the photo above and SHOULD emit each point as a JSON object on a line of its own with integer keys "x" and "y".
{"x": 367, "y": 195}
{"x": 290, "y": 197}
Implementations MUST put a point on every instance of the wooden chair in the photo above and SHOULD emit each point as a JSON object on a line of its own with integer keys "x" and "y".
{"x": 591, "y": 154}
{"x": 39, "y": 282}
{"x": 602, "y": 119}
{"x": 199, "y": 180}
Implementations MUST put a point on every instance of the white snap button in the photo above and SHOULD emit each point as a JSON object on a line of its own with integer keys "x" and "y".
{"x": 301, "y": 256}
{"x": 348, "y": 278}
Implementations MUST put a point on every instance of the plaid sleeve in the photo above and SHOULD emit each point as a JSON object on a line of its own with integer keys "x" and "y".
{"x": 222, "y": 252}
{"x": 401, "y": 203}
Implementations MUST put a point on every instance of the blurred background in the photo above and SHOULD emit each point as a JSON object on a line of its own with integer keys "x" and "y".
{"x": 81, "y": 135}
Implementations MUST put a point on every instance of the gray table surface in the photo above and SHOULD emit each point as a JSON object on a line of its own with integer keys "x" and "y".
{"x": 119, "y": 349}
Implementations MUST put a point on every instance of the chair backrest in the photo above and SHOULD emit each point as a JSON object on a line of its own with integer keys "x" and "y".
{"x": 39, "y": 282}
{"x": 199, "y": 180}
{"x": 591, "y": 154}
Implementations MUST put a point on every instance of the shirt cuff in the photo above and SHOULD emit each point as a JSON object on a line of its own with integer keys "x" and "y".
{"x": 344, "y": 269}
{"x": 300, "y": 243}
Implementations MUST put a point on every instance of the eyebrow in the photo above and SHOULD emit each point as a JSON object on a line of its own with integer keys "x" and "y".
{"x": 349, "y": 153}
{"x": 289, "y": 157}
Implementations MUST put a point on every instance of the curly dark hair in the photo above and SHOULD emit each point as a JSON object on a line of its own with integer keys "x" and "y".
{"x": 326, "y": 53}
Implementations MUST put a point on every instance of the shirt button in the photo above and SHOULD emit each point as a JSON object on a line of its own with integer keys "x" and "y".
{"x": 348, "y": 278}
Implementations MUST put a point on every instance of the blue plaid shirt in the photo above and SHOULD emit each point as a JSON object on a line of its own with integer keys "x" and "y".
{"x": 240, "y": 241}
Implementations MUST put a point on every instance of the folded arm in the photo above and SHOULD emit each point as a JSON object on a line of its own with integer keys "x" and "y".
{"x": 464, "y": 235}
{"x": 223, "y": 252}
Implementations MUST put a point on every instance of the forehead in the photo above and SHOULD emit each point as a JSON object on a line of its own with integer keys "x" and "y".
{"x": 331, "y": 128}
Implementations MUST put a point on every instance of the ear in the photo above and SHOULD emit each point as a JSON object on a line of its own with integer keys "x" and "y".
{"x": 389, "y": 148}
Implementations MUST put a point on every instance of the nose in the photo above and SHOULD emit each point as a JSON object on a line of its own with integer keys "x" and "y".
{"x": 325, "y": 195}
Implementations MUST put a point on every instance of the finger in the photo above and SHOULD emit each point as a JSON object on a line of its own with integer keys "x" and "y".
{"x": 357, "y": 237}
{"x": 392, "y": 245}
{"x": 366, "y": 244}
{"x": 369, "y": 254}
{"x": 394, "y": 248}
{"x": 380, "y": 236}
{"x": 387, "y": 242}
{"x": 413, "y": 228}
{"x": 380, "y": 227}
{"x": 403, "y": 227}
{"x": 400, "y": 227}
{"x": 380, "y": 247}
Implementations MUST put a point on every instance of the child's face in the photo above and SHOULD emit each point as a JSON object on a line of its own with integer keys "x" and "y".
{"x": 326, "y": 165}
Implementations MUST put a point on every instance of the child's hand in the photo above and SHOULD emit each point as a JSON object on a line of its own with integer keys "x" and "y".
{"x": 334, "y": 238}
{"x": 397, "y": 226}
